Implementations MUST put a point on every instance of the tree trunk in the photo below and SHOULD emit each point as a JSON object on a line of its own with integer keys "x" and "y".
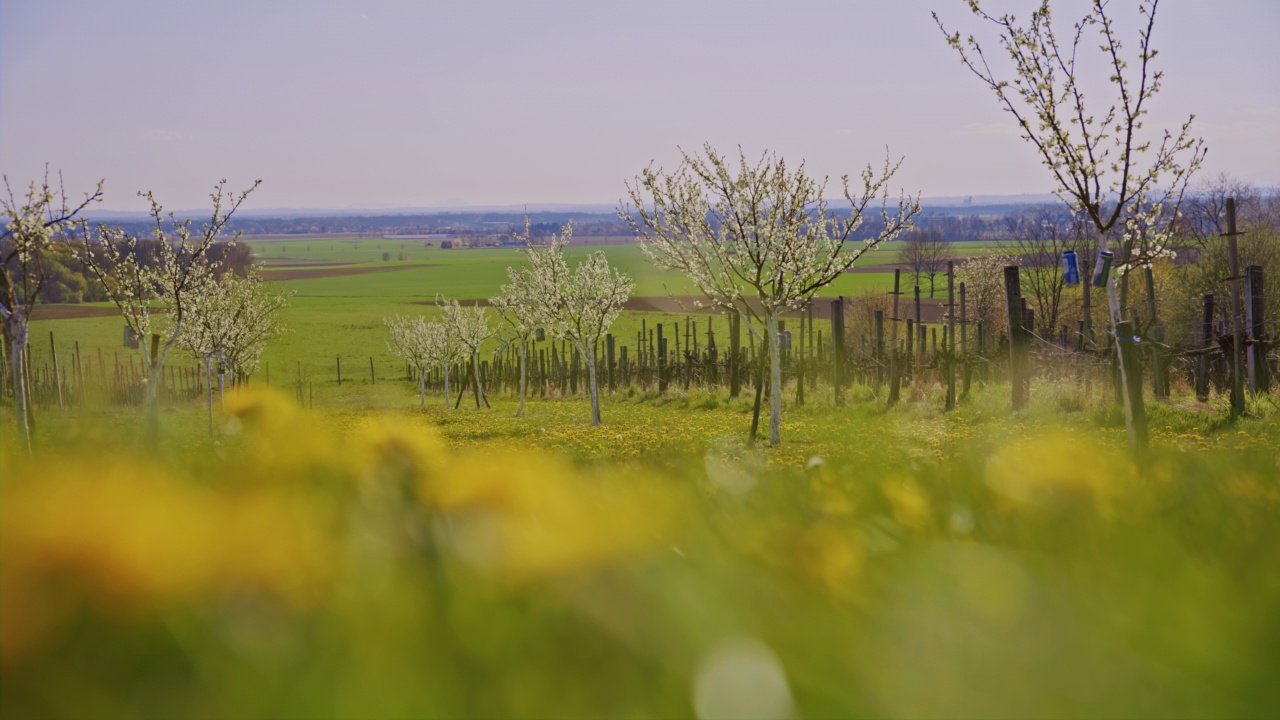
{"x": 422, "y": 389}
{"x": 1135, "y": 416}
{"x": 775, "y": 380}
{"x": 208, "y": 384}
{"x": 595, "y": 390}
{"x": 446, "y": 387}
{"x": 155, "y": 369}
{"x": 17, "y": 327}
{"x": 523, "y": 377}
{"x": 475, "y": 373}
{"x": 151, "y": 399}
{"x": 758, "y": 375}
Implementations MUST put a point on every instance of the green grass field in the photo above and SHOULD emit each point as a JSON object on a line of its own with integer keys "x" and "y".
{"x": 343, "y": 315}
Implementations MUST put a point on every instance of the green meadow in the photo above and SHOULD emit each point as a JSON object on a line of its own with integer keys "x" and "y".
{"x": 342, "y": 315}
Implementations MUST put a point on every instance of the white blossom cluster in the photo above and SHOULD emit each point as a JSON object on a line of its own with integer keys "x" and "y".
{"x": 230, "y": 321}
{"x": 425, "y": 346}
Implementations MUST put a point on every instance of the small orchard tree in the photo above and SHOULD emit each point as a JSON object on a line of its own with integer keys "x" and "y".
{"x": 1106, "y": 166}
{"x": 983, "y": 278}
{"x": 759, "y": 240}
{"x": 177, "y": 276}
{"x": 522, "y": 308}
{"x": 253, "y": 318}
{"x": 231, "y": 322}
{"x": 469, "y": 327}
{"x": 579, "y": 305}
{"x": 443, "y": 350}
{"x": 408, "y": 339}
{"x": 31, "y": 226}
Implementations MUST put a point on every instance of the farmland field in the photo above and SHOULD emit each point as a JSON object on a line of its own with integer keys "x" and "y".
{"x": 342, "y": 314}
{"x": 357, "y": 556}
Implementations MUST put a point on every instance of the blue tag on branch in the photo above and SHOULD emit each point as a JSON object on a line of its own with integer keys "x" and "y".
{"x": 1102, "y": 268}
{"x": 1071, "y": 267}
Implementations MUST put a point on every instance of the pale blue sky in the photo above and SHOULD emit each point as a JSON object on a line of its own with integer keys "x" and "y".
{"x": 370, "y": 104}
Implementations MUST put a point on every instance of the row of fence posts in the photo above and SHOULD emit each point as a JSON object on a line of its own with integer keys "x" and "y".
{"x": 1214, "y": 359}
{"x": 65, "y": 381}
{"x": 680, "y": 356}
{"x": 686, "y": 354}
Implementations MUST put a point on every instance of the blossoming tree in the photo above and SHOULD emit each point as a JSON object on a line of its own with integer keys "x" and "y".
{"x": 759, "y": 240}
{"x": 468, "y": 326}
{"x": 231, "y": 322}
{"x": 173, "y": 272}
{"x": 521, "y": 306}
{"x": 1107, "y": 166}
{"x": 407, "y": 338}
{"x": 31, "y": 224}
{"x": 578, "y": 305}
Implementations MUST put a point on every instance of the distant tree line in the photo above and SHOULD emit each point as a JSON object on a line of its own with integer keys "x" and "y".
{"x": 66, "y": 279}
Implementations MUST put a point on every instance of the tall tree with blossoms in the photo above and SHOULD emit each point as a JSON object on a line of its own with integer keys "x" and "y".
{"x": 578, "y": 305}
{"x": 523, "y": 309}
{"x": 407, "y": 338}
{"x": 231, "y": 323}
{"x": 442, "y": 350}
{"x": 173, "y": 272}
{"x": 759, "y": 239}
{"x": 1110, "y": 167}
{"x": 468, "y": 326}
{"x": 31, "y": 226}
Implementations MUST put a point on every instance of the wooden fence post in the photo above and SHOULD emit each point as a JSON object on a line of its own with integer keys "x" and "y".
{"x": 877, "y": 348}
{"x": 1159, "y": 380}
{"x": 966, "y": 368}
{"x": 837, "y": 349}
{"x": 799, "y": 353}
{"x": 662, "y": 361}
{"x": 609, "y": 351}
{"x": 735, "y": 355}
{"x": 951, "y": 335}
{"x": 895, "y": 370}
{"x": 1202, "y": 361}
{"x": 1259, "y": 375}
{"x": 1017, "y": 357}
{"x": 57, "y": 378}
{"x": 1237, "y": 314}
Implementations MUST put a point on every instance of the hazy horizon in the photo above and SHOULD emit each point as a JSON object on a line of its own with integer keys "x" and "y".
{"x": 367, "y": 105}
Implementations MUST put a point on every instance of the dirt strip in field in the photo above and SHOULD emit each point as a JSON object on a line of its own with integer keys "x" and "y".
{"x": 72, "y": 312}
{"x": 324, "y": 272}
{"x": 931, "y": 311}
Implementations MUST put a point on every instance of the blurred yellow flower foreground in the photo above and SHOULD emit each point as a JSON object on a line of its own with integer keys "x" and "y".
{"x": 368, "y": 568}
